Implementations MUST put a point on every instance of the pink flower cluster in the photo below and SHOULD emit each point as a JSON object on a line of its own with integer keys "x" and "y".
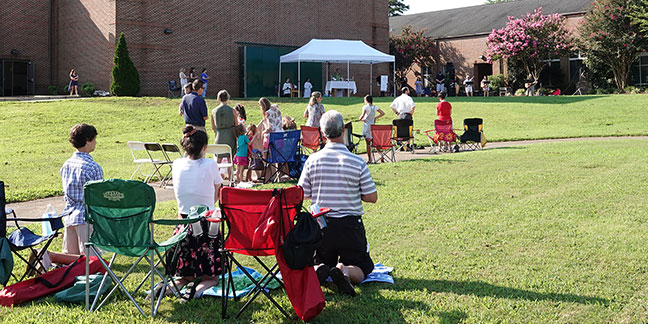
{"x": 533, "y": 36}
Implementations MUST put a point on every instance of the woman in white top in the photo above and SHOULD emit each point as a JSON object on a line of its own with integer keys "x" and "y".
{"x": 196, "y": 181}
{"x": 368, "y": 118}
{"x": 183, "y": 77}
{"x": 285, "y": 89}
{"x": 314, "y": 110}
{"x": 307, "y": 88}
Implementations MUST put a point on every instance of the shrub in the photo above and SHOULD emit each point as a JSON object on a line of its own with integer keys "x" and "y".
{"x": 66, "y": 88}
{"x": 88, "y": 89}
{"x": 53, "y": 90}
{"x": 497, "y": 81}
{"x": 126, "y": 81}
{"x": 520, "y": 92}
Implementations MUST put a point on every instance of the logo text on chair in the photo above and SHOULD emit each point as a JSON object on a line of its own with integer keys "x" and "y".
{"x": 113, "y": 195}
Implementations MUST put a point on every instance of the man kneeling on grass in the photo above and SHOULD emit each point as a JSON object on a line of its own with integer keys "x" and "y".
{"x": 337, "y": 179}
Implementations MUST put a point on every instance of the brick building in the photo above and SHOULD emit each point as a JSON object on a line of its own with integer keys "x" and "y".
{"x": 42, "y": 40}
{"x": 461, "y": 35}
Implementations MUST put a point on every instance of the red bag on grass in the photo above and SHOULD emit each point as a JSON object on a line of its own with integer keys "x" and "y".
{"x": 48, "y": 283}
{"x": 302, "y": 286}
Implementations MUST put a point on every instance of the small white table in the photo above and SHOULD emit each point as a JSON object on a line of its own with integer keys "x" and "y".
{"x": 334, "y": 85}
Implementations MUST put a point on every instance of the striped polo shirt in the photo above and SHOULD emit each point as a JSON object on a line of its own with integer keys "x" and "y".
{"x": 336, "y": 178}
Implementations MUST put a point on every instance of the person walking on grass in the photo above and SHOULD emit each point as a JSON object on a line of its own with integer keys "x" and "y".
{"x": 340, "y": 180}
{"x": 368, "y": 118}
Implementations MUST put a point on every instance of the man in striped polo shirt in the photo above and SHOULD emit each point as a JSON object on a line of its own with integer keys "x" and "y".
{"x": 337, "y": 179}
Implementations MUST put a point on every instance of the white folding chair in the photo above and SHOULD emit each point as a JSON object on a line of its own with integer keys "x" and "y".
{"x": 223, "y": 149}
{"x": 158, "y": 159}
{"x": 138, "y": 152}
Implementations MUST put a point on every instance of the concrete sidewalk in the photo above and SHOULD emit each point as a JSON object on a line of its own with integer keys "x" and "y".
{"x": 36, "y": 208}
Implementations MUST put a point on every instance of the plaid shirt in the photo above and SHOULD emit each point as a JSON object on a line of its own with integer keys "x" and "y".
{"x": 76, "y": 171}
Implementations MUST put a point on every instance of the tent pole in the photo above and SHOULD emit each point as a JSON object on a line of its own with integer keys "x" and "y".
{"x": 371, "y": 79}
{"x": 298, "y": 79}
{"x": 279, "y": 86}
{"x": 326, "y": 77}
{"x": 348, "y": 94}
{"x": 394, "y": 78}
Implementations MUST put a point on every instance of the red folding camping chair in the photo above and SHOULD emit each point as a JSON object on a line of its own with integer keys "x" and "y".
{"x": 382, "y": 142}
{"x": 311, "y": 138}
{"x": 254, "y": 223}
{"x": 444, "y": 136}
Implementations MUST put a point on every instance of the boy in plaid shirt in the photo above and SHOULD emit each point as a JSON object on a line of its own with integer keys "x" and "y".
{"x": 76, "y": 171}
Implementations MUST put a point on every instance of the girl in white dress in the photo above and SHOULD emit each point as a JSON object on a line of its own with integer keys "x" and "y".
{"x": 369, "y": 118}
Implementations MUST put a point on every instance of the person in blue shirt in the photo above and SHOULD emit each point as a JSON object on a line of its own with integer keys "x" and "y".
{"x": 76, "y": 171}
{"x": 205, "y": 79}
{"x": 193, "y": 107}
{"x": 241, "y": 158}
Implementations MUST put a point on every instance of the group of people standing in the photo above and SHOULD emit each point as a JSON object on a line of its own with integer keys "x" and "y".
{"x": 440, "y": 85}
{"x": 288, "y": 87}
{"x": 191, "y": 76}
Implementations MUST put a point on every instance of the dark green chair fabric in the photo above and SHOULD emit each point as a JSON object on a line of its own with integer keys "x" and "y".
{"x": 121, "y": 213}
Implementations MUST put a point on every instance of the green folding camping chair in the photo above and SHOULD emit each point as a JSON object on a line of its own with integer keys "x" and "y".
{"x": 121, "y": 213}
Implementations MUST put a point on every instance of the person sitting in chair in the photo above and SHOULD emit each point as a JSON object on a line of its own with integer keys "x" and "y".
{"x": 337, "y": 179}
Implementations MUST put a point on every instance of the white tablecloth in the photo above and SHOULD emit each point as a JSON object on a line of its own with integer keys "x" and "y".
{"x": 350, "y": 85}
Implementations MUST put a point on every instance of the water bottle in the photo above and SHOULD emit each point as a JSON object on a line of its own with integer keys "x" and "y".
{"x": 320, "y": 220}
{"x": 47, "y": 225}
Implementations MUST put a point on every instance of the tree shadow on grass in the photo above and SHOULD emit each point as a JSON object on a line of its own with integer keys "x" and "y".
{"x": 564, "y": 100}
{"x": 484, "y": 289}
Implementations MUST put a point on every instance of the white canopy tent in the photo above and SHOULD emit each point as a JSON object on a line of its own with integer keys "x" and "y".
{"x": 337, "y": 51}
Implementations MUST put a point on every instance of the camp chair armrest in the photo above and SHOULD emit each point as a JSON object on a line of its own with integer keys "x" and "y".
{"x": 357, "y": 135}
{"x": 174, "y": 222}
{"x": 33, "y": 220}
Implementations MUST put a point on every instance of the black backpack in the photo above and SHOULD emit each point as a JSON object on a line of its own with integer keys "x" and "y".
{"x": 302, "y": 241}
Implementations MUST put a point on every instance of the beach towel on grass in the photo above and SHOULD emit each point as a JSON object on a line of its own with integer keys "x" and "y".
{"x": 242, "y": 284}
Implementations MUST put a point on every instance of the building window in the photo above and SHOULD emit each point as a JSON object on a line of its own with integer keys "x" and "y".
{"x": 639, "y": 71}
{"x": 576, "y": 67}
{"x": 550, "y": 76}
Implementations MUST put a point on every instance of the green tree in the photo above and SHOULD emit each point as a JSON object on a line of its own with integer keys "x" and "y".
{"x": 397, "y": 7}
{"x": 611, "y": 35}
{"x": 409, "y": 48}
{"x": 640, "y": 15}
{"x": 126, "y": 81}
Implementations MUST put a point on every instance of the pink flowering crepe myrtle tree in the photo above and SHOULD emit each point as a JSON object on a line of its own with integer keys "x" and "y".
{"x": 533, "y": 39}
{"x": 609, "y": 33}
{"x": 411, "y": 47}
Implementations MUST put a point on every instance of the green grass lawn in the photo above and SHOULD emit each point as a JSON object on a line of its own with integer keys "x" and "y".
{"x": 545, "y": 233}
{"x": 35, "y": 135}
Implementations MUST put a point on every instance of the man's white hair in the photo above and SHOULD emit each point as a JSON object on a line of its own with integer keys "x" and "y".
{"x": 332, "y": 124}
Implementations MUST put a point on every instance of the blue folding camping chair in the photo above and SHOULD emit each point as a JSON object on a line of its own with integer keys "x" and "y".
{"x": 282, "y": 148}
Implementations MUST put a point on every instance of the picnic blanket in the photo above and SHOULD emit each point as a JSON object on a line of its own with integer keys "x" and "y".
{"x": 242, "y": 284}
{"x": 380, "y": 273}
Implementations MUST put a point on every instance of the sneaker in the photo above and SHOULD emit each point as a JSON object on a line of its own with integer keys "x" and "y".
{"x": 342, "y": 282}
{"x": 323, "y": 272}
